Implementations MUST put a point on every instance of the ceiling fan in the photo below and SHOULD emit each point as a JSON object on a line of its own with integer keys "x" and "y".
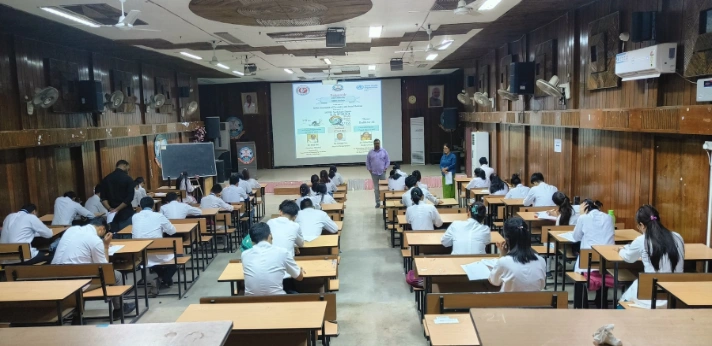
{"x": 214, "y": 60}
{"x": 464, "y": 9}
{"x": 430, "y": 48}
{"x": 126, "y": 21}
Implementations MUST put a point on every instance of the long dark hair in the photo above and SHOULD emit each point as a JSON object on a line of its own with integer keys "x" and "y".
{"x": 394, "y": 174}
{"x": 303, "y": 190}
{"x": 592, "y": 205}
{"x": 565, "y": 208}
{"x": 516, "y": 180}
{"x": 478, "y": 211}
{"x": 314, "y": 181}
{"x": 245, "y": 174}
{"x": 659, "y": 240}
{"x": 516, "y": 235}
{"x": 496, "y": 184}
{"x": 332, "y": 172}
{"x": 321, "y": 190}
{"x": 324, "y": 177}
{"x": 416, "y": 174}
{"x": 480, "y": 173}
{"x": 416, "y": 194}
{"x": 181, "y": 177}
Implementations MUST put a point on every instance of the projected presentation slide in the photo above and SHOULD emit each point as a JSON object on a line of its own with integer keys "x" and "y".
{"x": 336, "y": 120}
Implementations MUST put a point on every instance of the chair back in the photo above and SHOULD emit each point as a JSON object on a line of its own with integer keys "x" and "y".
{"x": 444, "y": 303}
{"x": 452, "y": 210}
{"x": 15, "y": 252}
{"x": 330, "y": 299}
{"x": 165, "y": 246}
{"x": 646, "y": 280}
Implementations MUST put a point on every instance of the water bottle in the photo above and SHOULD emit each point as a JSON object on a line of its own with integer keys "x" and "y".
{"x": 613, "y": 216}
{"x": 577, "y": 200}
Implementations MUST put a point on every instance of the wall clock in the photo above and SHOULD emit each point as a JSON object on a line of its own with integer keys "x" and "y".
{"x": 412, "y": 99}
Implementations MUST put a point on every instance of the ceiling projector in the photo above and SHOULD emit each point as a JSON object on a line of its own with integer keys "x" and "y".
{"x": 329, "y": 82}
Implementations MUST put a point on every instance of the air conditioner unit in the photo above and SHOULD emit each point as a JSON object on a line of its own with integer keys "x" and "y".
{"x": 223, "y": 142}
{"x": 478, "y": 148}
{"x": 647, "y": 62}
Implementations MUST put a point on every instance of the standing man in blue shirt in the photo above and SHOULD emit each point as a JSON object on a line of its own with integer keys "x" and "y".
{"x": 377, "y": 162}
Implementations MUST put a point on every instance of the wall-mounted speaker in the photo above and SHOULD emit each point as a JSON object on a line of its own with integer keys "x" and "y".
{"x": 521, "y": 78}
{"x": 220, "y": 167}
{"x": 448, "y": 119}
{"x": 91, "y": 96}
{"x": 470, "y": 81}
{"x": 396, "y": 64}
{"x": 336, "y": 37}
{"x": 643, "y": 26}
{"x": 212, "y": 127}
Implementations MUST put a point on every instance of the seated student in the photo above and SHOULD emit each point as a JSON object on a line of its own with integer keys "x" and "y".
{"x": 497, "y": 186}
{"x": 244, "y": 184}
{"x": 66, "y": 209}
{"x": 593, "y": 227}
{"x": 324, "y": 179}
{"x": 213, "y": 200}
{"x": 429, "y": 196}
{"x": 173, "y": 209}
{"x": 23, "y": 227}
{"x": 139, "y": 192}
{"x": 314, "y": 180}
{"x": 486, "y": 168}
{"x": 662, "y": 250}
{"x": 304, "y": 193}
{"x": 89, "y": 244}
{"x": 265, "y": 266}
{"x": 469, "y": 237}
{"x": 479, "y": 180}
{"x": 234, "y": 193}
{"x": 322, "y": 197}
{"x": 397, "y": 166}
{"x": 422, "y": 216}
{"x": 246, "y": 177}
{"x": 285, "y": 232}
{"x": 565, "y": 213}
{"x": 148, "y": 224}
{"x": 93, "y": 204}
{"x": 313, "y": 221}
{"x": 541, "y": 193}
{"x": 335, "y": 176}
{"x": 396, "y": 181}
{"x": 519, "y": 190}
{"x": 519, "y": 269}
{"x": 183, "y": 183}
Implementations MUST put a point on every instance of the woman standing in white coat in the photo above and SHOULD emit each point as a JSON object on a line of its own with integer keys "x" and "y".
{"x": 422, "y": 216}
{"x": 592, "y": 228}
{"x": 469, "y": 237}
{"x": 662, "y": 250}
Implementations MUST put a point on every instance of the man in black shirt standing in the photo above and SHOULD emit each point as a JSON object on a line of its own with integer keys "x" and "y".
{"x": 117, "y": 191}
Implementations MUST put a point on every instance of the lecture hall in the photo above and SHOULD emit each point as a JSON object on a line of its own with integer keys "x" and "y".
{"x": 362, "y": 172}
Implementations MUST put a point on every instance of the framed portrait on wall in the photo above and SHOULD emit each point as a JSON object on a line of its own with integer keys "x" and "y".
{"x": 435, "y": 96}
{"x": 249, "y": 103}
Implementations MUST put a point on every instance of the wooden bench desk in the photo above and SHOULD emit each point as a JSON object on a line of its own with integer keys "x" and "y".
{"x": 329, "y": 244}
{"x": 38, "y": 291}
{"x": 446, "y": 218}
{"x": 460, "y": 183}
{"x": 692, "y": 294}
{"x": 507, "y": 327}
{"x": 455, "y": 334}
{"x": 262, "y": 318}
{"x": 47, "y": 218}
{"x": 133, "y": 249}
{"x": 340, "y": 225}
{"x": 510, "y": 204}
{"x": 340, "y": 197}
{"x": 416, "y": 239}
{"x": 155, "y": 334}
{"x": 210, "y": 214}
{"x": 335, "y": 210}
{"x": 315, "y": 269}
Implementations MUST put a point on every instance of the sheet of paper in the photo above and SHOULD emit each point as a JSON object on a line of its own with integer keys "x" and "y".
{"x": 445, "y": 320}
{"x": 159, "y": 194}
{"x": 448, "y": 178}
{"x": 568, "y": 236}
{"x": 476, "y": 271}
{"x": 310, "y": 238}
{"x": 110, "y": 217}
{"x": 491, "y": 262}
{"x": 114, "y": 248}
{"x": 544, "y": 216}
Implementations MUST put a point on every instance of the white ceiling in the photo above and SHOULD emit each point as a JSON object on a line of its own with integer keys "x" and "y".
{"x": 396, "y": 16}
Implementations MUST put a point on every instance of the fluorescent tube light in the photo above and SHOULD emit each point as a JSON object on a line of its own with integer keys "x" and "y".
{"x": 72, "y": 17}
{"x": 191, "y": 55}
{"x": 489, "y": 4}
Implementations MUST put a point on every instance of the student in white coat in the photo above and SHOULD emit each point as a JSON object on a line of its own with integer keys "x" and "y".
{"x": 93, "y": 204}
{"x": 305, "y": 193}
{"x": 564, "y": 213}
{"x": 252, "y": 182}
{"x": 139, "y": 192}
{"x": 485, "y": 167}
{"x": 23, "y": 227}
{"x": 183, "y": 183}
{"x": 324, "y": 179}
{"x": 479, "y": 180}
{"x": 322, "y": 197}
{"x": 234, "y": 193}
{"x": 213, "y": 200}
{"x": 148, "y": 224}
{"x": 422, "y": 216}
{"x": 593, "y": 227}
{"x": 429, "y": 196}
{"x": 313, "y": 221}
{"x": 175, "y": 210}
{"x": 397, "y": 167}
{"x": 335, "y": 176}
{"x": 285, "y": 232}
{"x": 541, "y": 193}
{"x": 266, "y": 266}
{"x": 519, "y": 190}
{"x": 396, "y": 181}
{"x": 519, "y": 269}
{"x": 66, "y": 209}
{"x": 469, "y": 237}
{"x": 314, "y": 180}
{"x": 497, "y": 186}
{"x": 662, "y": 250}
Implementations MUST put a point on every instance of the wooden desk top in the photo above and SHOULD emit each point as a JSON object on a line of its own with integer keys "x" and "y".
{"x": 693, "y": 252}
{"x": 480, "y": 191}
{"x": 332, "y": 207}
{"x": 313, "y": 269}
{"x": 331, "y": 240}
{"x": 47, "y": 218}
{"x": 426, "y": 238}
{"x": 339, "y": 195}
{"x": 263, "y": 185}
{"x": 131, "y": 246}
{"x": 447, "y": 218}
{"x": 57, "y": 230}
{"x": 445, "y": 265}
{"x": 394, "y": 194}
{"x": 625, "y": 235}
{"x": 156, "y": 334}
{"x": 694, "y": 294}
{"x": 532, "y": 217}
{"x": 209, "y": 211}
{"x": 180, "y": 228}
{"x": 260, "y": 316}
{"x": 456, "y": 334}
{"x": 513, "y": 201}
{"x": 339, "y": 224}
{"x": 341, "y": 188}
{"x": 28, "y": 291}
{"x": 506, "y": 327}
{"x": 462, "y": 179}
{"x": 383, "y": 182}
{"x": 446, "y": 203}
{"x": 494, "y": 200}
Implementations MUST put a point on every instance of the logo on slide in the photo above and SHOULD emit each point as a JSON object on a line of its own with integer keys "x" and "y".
{"x": 337, "y": 87}
{"x": 303, "y": 90}
{"x": 359, "y": 87}
{"x": 246, "y": 155}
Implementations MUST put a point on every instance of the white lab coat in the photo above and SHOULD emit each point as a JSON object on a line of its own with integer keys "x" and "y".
{"x": 467, "y": 237}
{"x": 138, "y": 195}
{"x": 396, "y": 184}
{"x": 423, "y": 217}
{"x": 320, "y": 199}
{"x": 540, "y": 196}
{"x": 513, "y": 276}
{"x": 488, "y": 171}
{"x": 330, "y": 187}
{"x": 245, "y": 185}
{"x": 572, "y": 220}
{"x": 212, "y": 201}
{"x": 407, "y": 200}
{"x": 315, "y": 201}
{"x": 426, "y": 193}
{"x": 594, "y": 228}
{"x": 178, "y": 210}
{"x": 148, "y": 224}
{"x": 337, "y": 179}
{"x": 637, "y": 250}
{"x": 23, "y": 227}
{"x": 66, "y": 210}
{"x": 93, "y": 204}
{"x": 520, "y": 191}
{"x": 265, "y": 266}
{"x": 312, "y": 221}
{"x": 477, "y": 183}
{"x": 234, "y": 194}
{"x": 501, "y": 192}
{"x": 80, "y": 245}
{"x": 286, "y": 234}
{"x": 253, "y": 184}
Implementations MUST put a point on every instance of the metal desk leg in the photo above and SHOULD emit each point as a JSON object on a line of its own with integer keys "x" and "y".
{"x": 144, "y": 274}
{"x": 145, "y": 284}
{"x": 615, "y": 284}
{"x": 59, "y": 311}
{"x": 604, "y": 292}
{"x": 556, "y": 263}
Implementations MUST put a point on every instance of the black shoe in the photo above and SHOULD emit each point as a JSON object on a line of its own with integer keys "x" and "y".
{"x": 166, "y": 285}
{"x": 128, "y": 308}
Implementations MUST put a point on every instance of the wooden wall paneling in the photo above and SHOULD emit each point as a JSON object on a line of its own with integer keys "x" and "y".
{"x": 92, "y": 172}
{"x": 468, "y": 72}
{"x": 14, "y": 173}
{"x": 30, "y": 62}
{"x": 113, "y": 73}
{"x": 10, "y": 117}
{"x": 557, "y": 36}
{"x": 541, "y": 157}
{"x": 130, "y": 149}
{"x": 166, "y": 79}
{"x": 42, "y": 178}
